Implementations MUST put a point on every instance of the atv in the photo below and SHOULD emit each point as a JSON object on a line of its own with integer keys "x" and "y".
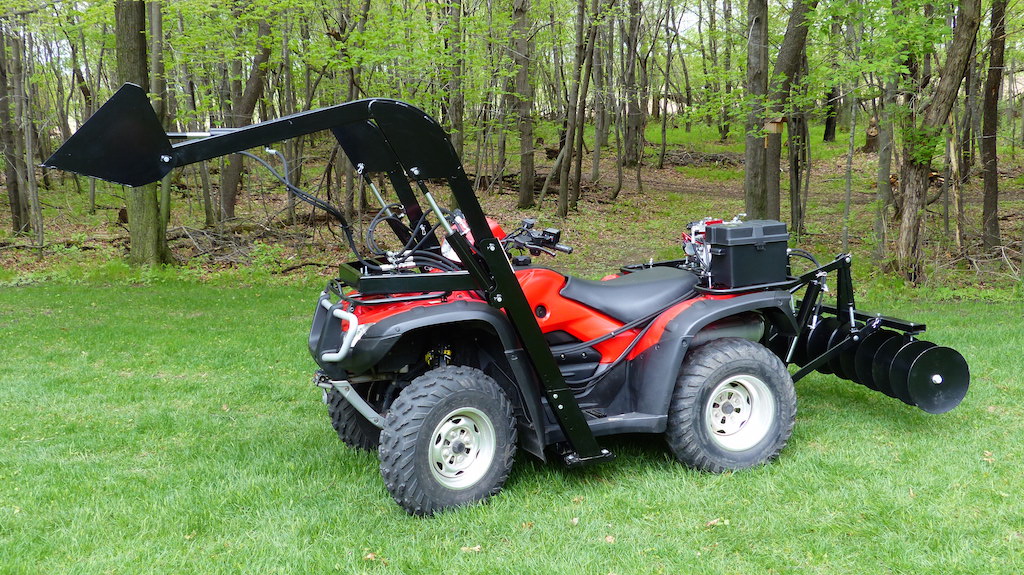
{"x": 444, "y": 345}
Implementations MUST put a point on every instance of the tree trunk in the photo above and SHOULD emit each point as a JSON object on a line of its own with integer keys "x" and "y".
{"x": 456, "y": 99}
{"x": 158, "y": 87}
{"x": 688, "y": 91}
{"x": 26, "y": 177}
{"x": 754, "y": 191}
{"x": 241, "y": 115}
{"x": 9, "y": 137}
{"x": 883, "y": 179}
{"x": 990, "y": 203}
{"x": 600, "y": 105}
{"x": 522, "y": 51}
{"x": 588, "y": 67}
{"x": 831, "y": 113}
{"x": 787, "y": 68}
{"x": 633, "y": 133}
{"x": 724, "y": 124}
{"x": 670, "y": 37}
{"x": 569, "y": 141}
{"x": 920, "y": 143}
{"x": 147, "y": 243}
{"x": 799, "y": 168}
{"x": 967, "y": 126}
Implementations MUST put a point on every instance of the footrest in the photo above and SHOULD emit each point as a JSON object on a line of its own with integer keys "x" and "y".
{"x": 573, "y": 459}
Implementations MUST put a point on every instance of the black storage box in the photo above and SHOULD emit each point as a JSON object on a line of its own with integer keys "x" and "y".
{"x": 747, "y": 253}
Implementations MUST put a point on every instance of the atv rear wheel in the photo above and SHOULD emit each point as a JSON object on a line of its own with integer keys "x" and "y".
{"x": 353, "y": 428}
{"x": 733, "y": 407}
{"x": 448, "y": 440}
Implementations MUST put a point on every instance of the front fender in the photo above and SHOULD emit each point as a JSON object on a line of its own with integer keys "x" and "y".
{"x": 390, "y": 344}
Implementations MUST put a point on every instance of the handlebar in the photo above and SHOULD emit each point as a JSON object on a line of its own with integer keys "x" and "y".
{"x": 536, "y": 241}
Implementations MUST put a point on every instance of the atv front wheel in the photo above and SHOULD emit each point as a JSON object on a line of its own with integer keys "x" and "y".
{"x": 733, "y": 407}
{"x": 448, "y": 440}
{"x": 353, "y": 428}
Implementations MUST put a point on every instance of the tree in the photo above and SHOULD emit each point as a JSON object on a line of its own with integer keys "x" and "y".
{"x": 522, "y": 51}
{"x": 990, "y": 125}
{"x": 787, "y": 67}
{"x": 922, "y": 135}
{"x": 456, "y": 71}
{"x": 634, "y": 125}
{"x": 147, "y": 236}
{"x": 243, "y": 104}
{"x": 13, "y": 164}
{"x": 754, "y": 188}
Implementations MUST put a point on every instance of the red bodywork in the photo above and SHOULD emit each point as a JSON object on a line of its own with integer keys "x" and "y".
{"x": 555, "y": 313}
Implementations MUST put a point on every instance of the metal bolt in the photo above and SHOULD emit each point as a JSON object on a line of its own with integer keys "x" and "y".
{"x": 937, "y": 379}
{"x": 490, "y": 247}
{"x": 414, "y": 171}
{"x": 498, "y": 298}
{"x": 165, "y": 159}
{"x": 561, "y": 406}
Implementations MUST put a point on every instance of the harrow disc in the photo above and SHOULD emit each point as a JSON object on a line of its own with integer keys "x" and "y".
{"x": 848, "y": 360}
{"x": 864, "y": 357}
{"x": 881, "y": 363}
{"x": 818, "y": 341}
{"x": 938, "y": 379}
{"x": 836, "y": 364}
{"x": 899, "y": 369}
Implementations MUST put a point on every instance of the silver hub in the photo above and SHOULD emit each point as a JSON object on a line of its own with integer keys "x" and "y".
{"x": 462, "y": 448}
{"x": 739, "y": 412}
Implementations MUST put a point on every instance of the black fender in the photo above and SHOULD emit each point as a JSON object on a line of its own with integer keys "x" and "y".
{"x": 658, "y": 367}
{"x": 388, "y": 344}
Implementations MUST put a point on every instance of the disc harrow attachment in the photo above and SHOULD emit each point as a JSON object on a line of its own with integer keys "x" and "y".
{"x": 881, "y": 353}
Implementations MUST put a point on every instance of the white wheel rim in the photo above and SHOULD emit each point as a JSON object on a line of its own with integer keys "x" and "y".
{"x": 739, "y": 412}
{"x": 462, "y": 448}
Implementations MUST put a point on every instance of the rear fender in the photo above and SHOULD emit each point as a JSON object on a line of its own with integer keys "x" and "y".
{"x": 658, "y": 366}
{"x": 399, "y": 340}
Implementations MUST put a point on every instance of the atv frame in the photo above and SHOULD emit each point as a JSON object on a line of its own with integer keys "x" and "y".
{"x": 447, "y": 343}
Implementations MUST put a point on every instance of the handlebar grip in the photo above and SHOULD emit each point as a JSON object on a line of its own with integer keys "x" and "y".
{"x": 563, "y": 248}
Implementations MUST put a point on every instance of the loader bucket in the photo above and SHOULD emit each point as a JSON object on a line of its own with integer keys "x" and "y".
{"x": 123, "y": 142}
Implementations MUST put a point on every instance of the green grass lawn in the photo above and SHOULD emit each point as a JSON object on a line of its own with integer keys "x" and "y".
{"x": 173, "y": 428}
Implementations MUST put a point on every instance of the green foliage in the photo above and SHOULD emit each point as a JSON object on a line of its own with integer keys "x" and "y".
{"x": 924, "y": 143}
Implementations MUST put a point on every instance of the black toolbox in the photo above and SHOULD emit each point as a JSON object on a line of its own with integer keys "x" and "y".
{"x": 747, "y": 253}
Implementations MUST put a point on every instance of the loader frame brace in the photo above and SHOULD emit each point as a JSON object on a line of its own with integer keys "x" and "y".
{"x": 845, "y": 309}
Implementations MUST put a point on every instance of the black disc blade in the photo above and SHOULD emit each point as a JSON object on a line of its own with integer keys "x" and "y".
{"x": 835, "y": 364}
{"x": 848, "y": 360}
{"x": 899, "y": 372}
{"x": 865, "y": 356}
{"x": 817, "y": 341}
{"x": 938, "y": 379}
{"x": 881, "y": 363}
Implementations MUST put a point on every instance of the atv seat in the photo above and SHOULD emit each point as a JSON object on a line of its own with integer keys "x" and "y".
{"x": 632, "y": 296}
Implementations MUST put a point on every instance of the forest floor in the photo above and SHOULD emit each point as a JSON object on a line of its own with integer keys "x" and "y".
{"x": 701, "y": 178}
